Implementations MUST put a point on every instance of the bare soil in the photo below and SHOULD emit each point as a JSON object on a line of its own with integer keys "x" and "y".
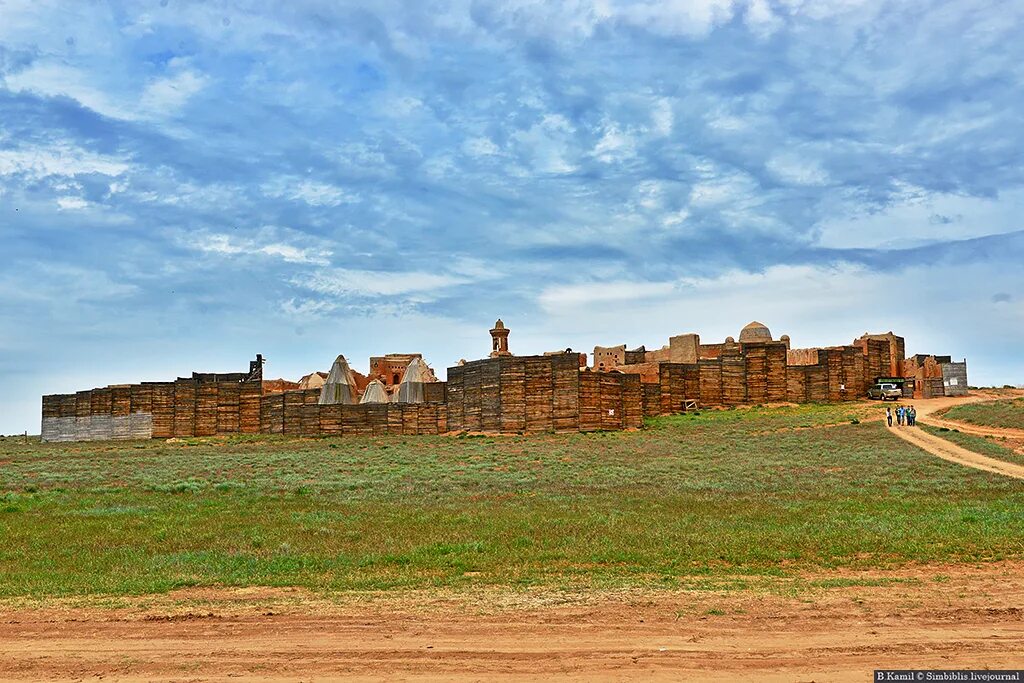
{"x": 935, "y": 617}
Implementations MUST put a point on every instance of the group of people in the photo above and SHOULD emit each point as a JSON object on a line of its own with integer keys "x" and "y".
{"x": 905, "y": 416}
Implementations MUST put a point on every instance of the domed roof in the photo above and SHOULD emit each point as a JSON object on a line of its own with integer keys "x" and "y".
{"x": 754, "y": 332}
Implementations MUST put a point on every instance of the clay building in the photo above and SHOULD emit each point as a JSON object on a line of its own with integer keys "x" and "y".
{"x": 390, "y": 368}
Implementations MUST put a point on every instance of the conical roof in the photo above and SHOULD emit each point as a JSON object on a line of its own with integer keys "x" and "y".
{"x": 340, "y": 385}
{"x": 375, "y": 393}
{"x": 411, "y": 388}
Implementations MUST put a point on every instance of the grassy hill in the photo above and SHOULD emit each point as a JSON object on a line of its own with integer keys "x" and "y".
{"x": 716, "y": 496}
{"x": 1007, "y": 413}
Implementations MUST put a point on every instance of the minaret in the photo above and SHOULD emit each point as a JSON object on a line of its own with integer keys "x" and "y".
{"x": 499, "y": 340}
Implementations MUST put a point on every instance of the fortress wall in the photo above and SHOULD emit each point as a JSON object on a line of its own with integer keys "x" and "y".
{"x": 796, "y": 383}
{"x": 710, "y": 381}
{"x": 456, "y": 398}
{"x": 507, "y": 394}
{"x": 632, "y": 402}
{"x": 710, "y": 350}
{"x": 756, "y": 367}
{"x": 734, "y": 375}
{"x": 435, "y": 392}
{"x": 99, "y": 414}
{"x": 539, "y": 394}
{"x": 651, "y": 397}
{"x": 187, "y": 408}
{"x": 803, "y": 356}
{"x": 680, "y": 382}
{"x": 512, "y": 394}
{"x": 776, "y": 372}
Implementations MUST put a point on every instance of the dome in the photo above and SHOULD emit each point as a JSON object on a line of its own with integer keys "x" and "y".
{"x": 755, "y": 332}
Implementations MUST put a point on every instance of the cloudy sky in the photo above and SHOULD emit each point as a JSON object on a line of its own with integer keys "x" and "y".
{"x": 183, "y": 185}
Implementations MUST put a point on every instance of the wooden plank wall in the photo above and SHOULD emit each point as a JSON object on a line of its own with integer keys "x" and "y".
{"x": 539, "y": 394}
{"x": 507, "y": 394}
{"x": 651, "y": 397}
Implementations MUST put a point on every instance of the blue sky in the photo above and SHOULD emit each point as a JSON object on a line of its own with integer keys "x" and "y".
{"x": 183, "y": 185}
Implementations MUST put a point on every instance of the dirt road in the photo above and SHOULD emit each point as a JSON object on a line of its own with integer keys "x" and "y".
{"x": 940, "y": 617}
{"x": 926, "y": 411}
{"x": 953, "y": 453}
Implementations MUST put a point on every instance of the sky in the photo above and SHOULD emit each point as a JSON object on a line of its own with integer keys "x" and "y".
{"x": 184, "y": 185}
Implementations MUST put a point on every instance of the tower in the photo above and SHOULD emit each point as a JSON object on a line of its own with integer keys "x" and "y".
{"x": 499, "y": 340}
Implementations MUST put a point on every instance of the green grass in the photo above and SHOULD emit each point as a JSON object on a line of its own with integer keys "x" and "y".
{"x": 984, "y": 445}
{"x": 722, "y": 495}
{"x": 1005, "y": 413}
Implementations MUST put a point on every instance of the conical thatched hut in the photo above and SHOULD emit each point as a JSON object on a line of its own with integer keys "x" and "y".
{"x": 375, "y": 393}
{"x": 340, "y": 385}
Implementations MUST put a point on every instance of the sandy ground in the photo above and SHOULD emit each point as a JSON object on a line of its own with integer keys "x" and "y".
{"x": 940, "y": 617}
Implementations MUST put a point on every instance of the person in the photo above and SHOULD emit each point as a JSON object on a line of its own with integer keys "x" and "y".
{"x": 888, "y": 415}
{"x": 900, "y": 414}
{"x": 913, "y": 416}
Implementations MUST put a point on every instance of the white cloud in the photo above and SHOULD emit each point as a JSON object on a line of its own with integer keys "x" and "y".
{"x": 796, "y": 169}
{"x": 663, "y": 117}
{"x": 312, "y": 192}
{"x": 60, "y": 159}
{"x": 760, "y": 18}
{"x": 676, "y": 17}
{"x": 227, "y": 245}
{"x": 546, "y": 145}
{"x": 614, "y": 145}
{"x": 564, "y": 297}
{"x": 675, "y": 218}
{"x": 55, "y": 79}
{"x": 339, "y": 282}
{"x": 922, "y": 217}
{"x": 72, "y": 203}
{"x": 168, "y": 94}
{"x": 480, "y": 147}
